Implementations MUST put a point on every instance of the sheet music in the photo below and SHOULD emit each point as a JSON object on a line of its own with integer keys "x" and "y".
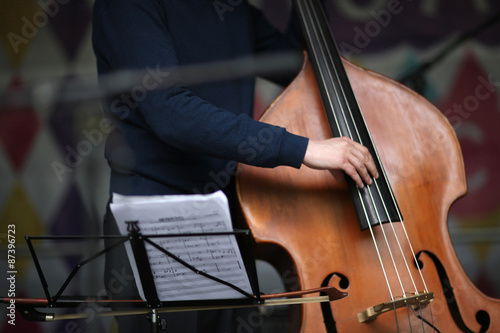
{"x": 180, "y": 214}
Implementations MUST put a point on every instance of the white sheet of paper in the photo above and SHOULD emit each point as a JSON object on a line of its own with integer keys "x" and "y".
{"x": 180, "y": 214}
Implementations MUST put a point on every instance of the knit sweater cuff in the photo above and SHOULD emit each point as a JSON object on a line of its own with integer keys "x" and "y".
{"x": 293, "y": 150}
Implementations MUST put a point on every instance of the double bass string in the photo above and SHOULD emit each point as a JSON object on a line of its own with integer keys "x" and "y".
{"x": 308, "y": 10}
{"x": 378, "y": 190}
{"x": 376, "y": 185}
{"x": 318, "y": 34}
{"x": 368, "y": 188}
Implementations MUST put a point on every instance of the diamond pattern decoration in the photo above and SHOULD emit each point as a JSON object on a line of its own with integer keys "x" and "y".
{"x": 472, "y": 108}
{"x": 7, "y": 72}
{"x": 84, "y": 61}
{"x": 44, "y": 60}
{"x": 62, "y": 126}
{"x": 40, "y": 176}
{"x": 18, "y": 127}
{"x": 96, "y": 175}
{"x": 18, "y": 210}
{"x": 6, "y": 176}
{"x": 491, "y": 265}
{"x": 482, "y": 251}
{"x": 75, "y": 14}
{"x": 71, "y": 219}
{"x": 18, "y": 27}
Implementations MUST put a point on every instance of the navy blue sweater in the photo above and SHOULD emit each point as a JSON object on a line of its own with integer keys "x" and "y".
{"x": 185, "y": 139}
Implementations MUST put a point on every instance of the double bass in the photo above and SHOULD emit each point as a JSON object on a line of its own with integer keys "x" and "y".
{"x": 387, "y": 244}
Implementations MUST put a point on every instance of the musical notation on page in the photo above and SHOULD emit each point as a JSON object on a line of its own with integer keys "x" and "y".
{"x": 217, "y": 255}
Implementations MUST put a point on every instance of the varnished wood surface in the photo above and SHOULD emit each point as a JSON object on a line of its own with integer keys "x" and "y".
{"x": 308, "y": 217}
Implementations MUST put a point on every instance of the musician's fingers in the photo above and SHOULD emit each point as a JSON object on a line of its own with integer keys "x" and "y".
{"x": 352, "y": 172}
{"x": 366, "y": 164}
{"x": 342, "y": 154}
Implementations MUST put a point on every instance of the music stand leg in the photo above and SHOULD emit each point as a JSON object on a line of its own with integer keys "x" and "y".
{"x": 157, "y": 324}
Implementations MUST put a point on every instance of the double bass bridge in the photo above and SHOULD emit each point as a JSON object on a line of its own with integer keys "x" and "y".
{"x": 415, "y": 301}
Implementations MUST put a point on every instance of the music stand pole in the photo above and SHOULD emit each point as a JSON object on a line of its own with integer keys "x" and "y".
{"x": 146, "y": 275}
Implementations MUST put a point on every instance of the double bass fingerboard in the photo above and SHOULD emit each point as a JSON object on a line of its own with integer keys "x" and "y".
{"x": 374, "y": 204}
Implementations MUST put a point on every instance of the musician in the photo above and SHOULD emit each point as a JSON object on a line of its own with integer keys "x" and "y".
{"x": 187, "y": 139}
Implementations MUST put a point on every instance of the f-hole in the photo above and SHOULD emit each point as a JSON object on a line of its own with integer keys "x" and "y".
{"x": 483, "y": 318}
{"x": 325, "y": 306}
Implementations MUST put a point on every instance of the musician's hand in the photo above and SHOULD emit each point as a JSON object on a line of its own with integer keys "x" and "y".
{"x": 341, "y": 154}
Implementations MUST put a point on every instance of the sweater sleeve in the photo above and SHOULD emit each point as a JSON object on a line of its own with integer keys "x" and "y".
{"x": 133, "y": 34}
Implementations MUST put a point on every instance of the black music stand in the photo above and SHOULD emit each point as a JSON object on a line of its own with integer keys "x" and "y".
{"x": 152, "y": 302}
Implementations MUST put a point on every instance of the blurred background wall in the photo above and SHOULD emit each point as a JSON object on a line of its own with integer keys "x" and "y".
{"x": 54, "y": 179}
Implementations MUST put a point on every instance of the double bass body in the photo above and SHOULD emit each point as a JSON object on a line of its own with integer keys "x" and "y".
{"x": 305, "y": 223}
